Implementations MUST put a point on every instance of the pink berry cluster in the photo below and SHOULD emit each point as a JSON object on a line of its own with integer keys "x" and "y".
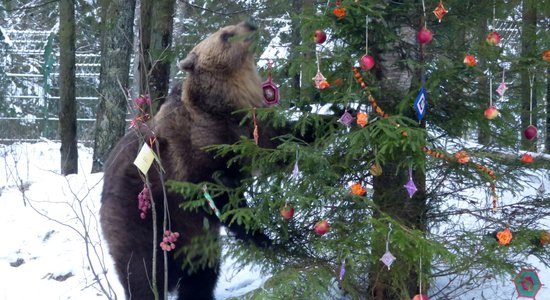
{"x": 168, "y": 240}
{"x": 142, "y": 100}
{"x": 144, "y": 202}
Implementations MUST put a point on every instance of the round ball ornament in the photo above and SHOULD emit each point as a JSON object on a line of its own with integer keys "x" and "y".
{"x": 530, "y": 132}
{"x": 321, "y": 227}
{"x": 491, "y": 113}
{"x": 367, "y": 62}
{"x": 493, "y": 38}
{"x": 424, "y": 35}
{"x": 320, "y": 37}
{"x": 420, "y": 297}
{"x": 546, "y": 55}
{"x": 287, "y": 212}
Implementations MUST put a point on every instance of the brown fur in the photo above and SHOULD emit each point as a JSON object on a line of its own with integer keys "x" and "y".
{"x": 222, "y": 78}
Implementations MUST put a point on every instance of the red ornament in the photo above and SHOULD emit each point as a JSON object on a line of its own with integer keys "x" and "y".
{"x": 527, "y": 158}
{"x": 491, "y": 113}
{"x": 440, "y": 11}
{"x": 287, "y": 212}
{"x": 530, "y": 132}
{"x": 493, "y": 38}
{"x": 271, "y": 91}
{"x": 321, "y": 227}
{"x": 546, "y": 55}
{"x": 470, "y": 60}
{"x": 420, "y": 297}
{"x": 367, "y": 62}
{"x": 424, "y": 35}
{"x": 320, "y": 37}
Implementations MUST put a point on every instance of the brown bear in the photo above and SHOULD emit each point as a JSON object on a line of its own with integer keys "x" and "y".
{"x": 222, "y": 79}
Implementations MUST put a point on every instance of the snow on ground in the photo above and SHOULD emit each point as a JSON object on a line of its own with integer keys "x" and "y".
{"x": 42, "y": 248}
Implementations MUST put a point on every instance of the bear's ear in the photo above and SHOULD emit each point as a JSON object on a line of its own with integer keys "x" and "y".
{"x": 188, "y": 64}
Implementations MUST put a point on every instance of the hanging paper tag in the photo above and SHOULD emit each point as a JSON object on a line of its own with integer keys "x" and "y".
{"x": 144, "y": 158}
{"x": 420, "y": 104}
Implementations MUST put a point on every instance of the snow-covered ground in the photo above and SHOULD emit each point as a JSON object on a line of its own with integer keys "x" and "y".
{"x": 42, "y": 250}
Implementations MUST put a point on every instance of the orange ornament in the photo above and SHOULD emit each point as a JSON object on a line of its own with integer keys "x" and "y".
{"x": 323, "y": 85}
{"x": 362, "y": 118}
{"x": 339, "y": 12}
{"x": 544, "y": 238}
{"x": 462, "y": 157}
{"x": 504, "y": 237}
{"x": 358, "y": 190}
{"x": 546, "y": 55}
{"x": 527, "y": 158}
{"x": 470, "y": 60}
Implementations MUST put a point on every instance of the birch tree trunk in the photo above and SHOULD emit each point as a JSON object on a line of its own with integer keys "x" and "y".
{"x": 389, "y": 194}
{"x": 67, "y": 101}
{"x": 116, "y": 48}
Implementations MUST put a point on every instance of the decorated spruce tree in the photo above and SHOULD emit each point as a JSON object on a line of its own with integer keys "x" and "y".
{"x": 378, "y": 187}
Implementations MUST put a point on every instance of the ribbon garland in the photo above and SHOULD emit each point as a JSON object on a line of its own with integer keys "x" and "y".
{"x": 211, "y": 202}
{"x": 426, "y": 150}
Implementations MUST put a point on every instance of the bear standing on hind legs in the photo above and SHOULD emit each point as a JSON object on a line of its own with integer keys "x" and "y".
{"x": 222, "y": 78}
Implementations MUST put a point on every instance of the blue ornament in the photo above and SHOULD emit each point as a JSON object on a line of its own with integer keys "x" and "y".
{"x": 420, "y": 104}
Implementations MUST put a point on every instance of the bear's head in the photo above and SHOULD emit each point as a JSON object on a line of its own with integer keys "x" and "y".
{"x": 222, "y": 75}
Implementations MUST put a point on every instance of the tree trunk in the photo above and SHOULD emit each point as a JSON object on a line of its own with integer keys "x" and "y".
{"x": 528, "y": 50}
{"x": 144, "y": 44}
{"x": 67, "y": 101}
{"x": 156, "y": 26}
{"x": 116, "y": 45}
{"x": 547, "y": 142}
{"x": 161, "y": 53}
{"x": 389, "y": 193}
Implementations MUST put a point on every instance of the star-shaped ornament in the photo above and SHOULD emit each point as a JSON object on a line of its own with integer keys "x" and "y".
{"x": 411, "y": 187}
{"x": 387, "y": 259}
{"x": 440, "y": 11}
{"x": 346, "y": 118}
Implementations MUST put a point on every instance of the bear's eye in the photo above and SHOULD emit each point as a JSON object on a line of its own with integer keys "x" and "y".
{"x": 227, "y": 35}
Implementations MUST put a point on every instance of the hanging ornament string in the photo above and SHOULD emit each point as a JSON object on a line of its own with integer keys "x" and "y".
{"x": 366, "y": 35}
{"x": 531, "y": 83}
{"x": 420, "y": 273}
{"x": 490, "y": 88}
{"x": 424, "y": 11}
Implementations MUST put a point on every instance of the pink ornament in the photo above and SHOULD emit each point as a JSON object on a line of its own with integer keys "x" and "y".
{"x": 424, "y": 35}
{"x": 530, "y": 132}
{"x": 367, "y": 62}
{"x": 420, "y": 297}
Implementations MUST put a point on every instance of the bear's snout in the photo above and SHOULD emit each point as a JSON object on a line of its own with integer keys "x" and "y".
{"x": 249, "y": 24}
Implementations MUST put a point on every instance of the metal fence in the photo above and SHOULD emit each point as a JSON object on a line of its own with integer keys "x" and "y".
{"x": 31, "y": 69}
